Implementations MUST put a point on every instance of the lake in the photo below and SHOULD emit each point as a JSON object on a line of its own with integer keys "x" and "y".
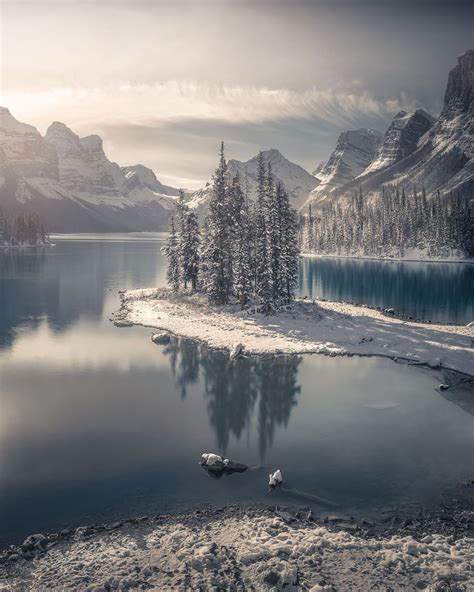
{"x": 98, "y": 423}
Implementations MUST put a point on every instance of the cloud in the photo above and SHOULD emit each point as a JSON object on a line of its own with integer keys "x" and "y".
{"x": 182, "y": 100}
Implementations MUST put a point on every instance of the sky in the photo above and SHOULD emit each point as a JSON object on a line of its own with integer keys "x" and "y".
{"x": 163, "y": 82}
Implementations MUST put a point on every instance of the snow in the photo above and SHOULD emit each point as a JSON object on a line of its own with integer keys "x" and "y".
{"x": 409, "y": 255}
{"x": 329, "y": 328}
{"x": 250, "y": 551}
{"x": 275, "y": 479}
{"x": 296, "y": 180}
{"x": 354, "y": 151}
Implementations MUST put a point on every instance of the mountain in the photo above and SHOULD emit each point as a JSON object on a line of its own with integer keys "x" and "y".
{"x": 296, "y": 180}
{"x": 139, "y": 176}
{"x": 437, "y": 155}
{"x": 401, "y": 139}
{"x": 72, "y": 185}
{"x": 353, "y": 153}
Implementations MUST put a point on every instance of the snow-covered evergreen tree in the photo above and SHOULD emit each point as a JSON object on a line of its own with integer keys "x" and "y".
{"x": 391, "y": 223}
{"x": 241, "y": 241}
{"x": 263, "y": 277}
{"x": 171, "y": 250}
{"x": 217, "y": 252}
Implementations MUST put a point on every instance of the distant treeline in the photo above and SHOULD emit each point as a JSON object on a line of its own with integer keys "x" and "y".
{"x": 24, "y": 229}
{"x": 391, "y": 224}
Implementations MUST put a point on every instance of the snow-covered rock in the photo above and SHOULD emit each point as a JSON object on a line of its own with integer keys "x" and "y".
{"x": 275, "y": 479}
{"x": 401, "y": 139}
{"x": 162, "y": 338}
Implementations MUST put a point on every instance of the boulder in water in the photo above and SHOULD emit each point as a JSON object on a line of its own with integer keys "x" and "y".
{"x": 275, "y": 479}
{"x": 162, "y": 338}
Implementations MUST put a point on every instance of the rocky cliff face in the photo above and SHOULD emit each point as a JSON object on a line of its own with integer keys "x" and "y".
{"x": 401, "y": 139}
{"x": 72, "y": 185}
{"x": 83, "y": 166}
{"x": 24, "y": 149}
{"x": 438, "y": 156}
{"x": 353, "y": 153}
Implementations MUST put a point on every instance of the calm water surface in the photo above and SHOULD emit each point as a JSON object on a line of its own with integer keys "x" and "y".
{"x": 98, "y": 423}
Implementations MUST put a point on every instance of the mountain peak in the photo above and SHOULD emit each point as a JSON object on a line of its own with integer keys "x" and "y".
{"x": 8, "y": 124}
{"x": 459, "y": 93}
{"x": 59, "y": 129}
{"x": 92, "y": 143}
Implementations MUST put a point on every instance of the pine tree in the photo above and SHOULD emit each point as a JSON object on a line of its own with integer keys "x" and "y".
{"x": 289, "y": 252}
{"x": 171, "y": 250}
{"x": 241, "y": 241}
{"x": 218, "y": 279}
{"x": 263, "y": 278}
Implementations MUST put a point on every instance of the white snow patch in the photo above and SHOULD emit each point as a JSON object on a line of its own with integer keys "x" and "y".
{"x": 329, "y": 328}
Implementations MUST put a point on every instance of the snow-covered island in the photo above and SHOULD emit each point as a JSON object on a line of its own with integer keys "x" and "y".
{"x": 306, "y": 326}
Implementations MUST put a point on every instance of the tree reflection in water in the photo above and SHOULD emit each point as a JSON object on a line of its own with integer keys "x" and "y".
{"x": 236, "y": 390}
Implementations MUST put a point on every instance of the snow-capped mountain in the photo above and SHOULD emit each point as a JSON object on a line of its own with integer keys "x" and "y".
{"x": 354, "y": 151}
{"x": 140, "y": 176}
{"x": 438, "y": 156}
{"x": 72, "y": 185}
{"x": 296, "y": 180}
{"x": 401, "y": 139}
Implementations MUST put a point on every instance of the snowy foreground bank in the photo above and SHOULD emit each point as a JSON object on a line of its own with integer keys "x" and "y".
{"x": 307, "y": 327}
{"x": 241, "y": 549}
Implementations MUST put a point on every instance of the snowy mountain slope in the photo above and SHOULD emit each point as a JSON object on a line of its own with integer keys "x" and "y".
{"x": 296, "y": 180}
{"x": 353, "y": 153}
{"x": 72, "y": 185}
{"x": 142, "y": 185}
{"x": 443, "y": 159}
{"x": 401, "y": 139}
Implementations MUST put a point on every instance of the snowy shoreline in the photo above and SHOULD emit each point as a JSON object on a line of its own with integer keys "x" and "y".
{"x": 322, "y": 327}
{"x": 408, "y": 259}
{"x": 255, "y": 548}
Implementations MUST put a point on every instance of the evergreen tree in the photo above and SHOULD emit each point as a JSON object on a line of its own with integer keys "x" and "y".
{"x": 218, "y": 280}
{"x": 263, "y": 278}
{"x": 171, "y": 250}
{"x": 241, "y": 241}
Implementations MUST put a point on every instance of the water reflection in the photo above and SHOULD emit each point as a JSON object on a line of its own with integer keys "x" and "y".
{"x": 233, "y": 390}
{"x": 69, "y": 282}
{"x": 429, "y": 291}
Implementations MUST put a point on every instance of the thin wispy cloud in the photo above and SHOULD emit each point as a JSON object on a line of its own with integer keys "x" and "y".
{"x": 185, "y": 100}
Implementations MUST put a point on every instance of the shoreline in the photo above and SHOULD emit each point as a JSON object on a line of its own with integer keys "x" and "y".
{"x": 259, "y": 546}
{"x": 389, "y": 259}
{"x": 318, "y": 326}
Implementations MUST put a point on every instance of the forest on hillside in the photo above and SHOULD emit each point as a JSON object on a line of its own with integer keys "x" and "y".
{"x": 391, "y": 224}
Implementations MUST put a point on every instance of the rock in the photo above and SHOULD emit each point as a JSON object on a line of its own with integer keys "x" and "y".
{"x": 122, "y": 323}
{"x": 34, "y": 541}
{"x": 236, "y": 351}
{"x": 216, "y": 465}
{"x": 471, "y": 324}
{"x": 271, "y": 578}
{"x": 443, "y": 387}
{"x": 434, "y": 363}
{"x": 162, "y": 338}
{"x": 275, "y": 479}
{"x": 389, "y": 311}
